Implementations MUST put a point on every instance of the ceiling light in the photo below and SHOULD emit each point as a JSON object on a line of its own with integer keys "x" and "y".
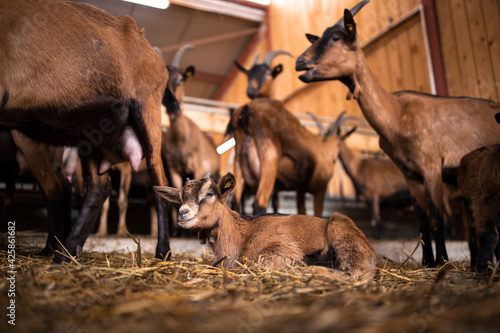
{"x": 161, "y": 4}
{"x": 261, "y": 2}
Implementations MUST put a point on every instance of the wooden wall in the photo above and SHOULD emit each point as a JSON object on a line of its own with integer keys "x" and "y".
{"x": 470, "y": 43}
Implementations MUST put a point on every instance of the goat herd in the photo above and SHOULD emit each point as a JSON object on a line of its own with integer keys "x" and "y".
{"x": 73, "y": 75}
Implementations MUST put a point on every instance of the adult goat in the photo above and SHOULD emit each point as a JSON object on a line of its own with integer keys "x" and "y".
{"x": 273, "y": 150}
{"x": 414, "y": 128}
{"x": 74, "y": 75}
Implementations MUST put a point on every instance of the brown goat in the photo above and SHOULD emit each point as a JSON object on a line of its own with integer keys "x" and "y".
{"x": 278, "y": 240}
{"x": 273, "y": 147}
{"x": 479, "y": 182}
{"x": 73, "y": 75}
{"x": 274, "y": 151}
{"x": 189, "y": 152}
{"x": 414, "y": 128}
{"x": 22, "y": 157}
{"x": 374, "y": 179}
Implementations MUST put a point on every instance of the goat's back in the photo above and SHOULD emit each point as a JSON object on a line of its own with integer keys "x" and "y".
{"x": 55, "y": 53}
{"x": 309, "y": 233}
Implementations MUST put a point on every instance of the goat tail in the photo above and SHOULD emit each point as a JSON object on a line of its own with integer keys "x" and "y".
{"x": 171, "y": 103}
{"x": 241, "y": 120}
{"x": 5, "y": 98}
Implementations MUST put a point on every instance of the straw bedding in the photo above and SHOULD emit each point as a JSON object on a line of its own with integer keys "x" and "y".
{"x": 129, "y": 293}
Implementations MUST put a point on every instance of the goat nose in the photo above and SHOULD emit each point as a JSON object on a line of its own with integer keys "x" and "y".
{"x": 183, "y": 213}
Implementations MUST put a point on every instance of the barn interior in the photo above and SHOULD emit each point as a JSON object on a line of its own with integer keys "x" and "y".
{"x": 444, "y": 48}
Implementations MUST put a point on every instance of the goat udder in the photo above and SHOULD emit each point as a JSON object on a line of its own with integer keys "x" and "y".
{"x": 132, "y": 148}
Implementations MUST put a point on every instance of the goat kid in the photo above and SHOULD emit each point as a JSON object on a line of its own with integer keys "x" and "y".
{"x": 74, "y": 75}
{"x": 279, "y": 241}
{"x": 414, "y": 128}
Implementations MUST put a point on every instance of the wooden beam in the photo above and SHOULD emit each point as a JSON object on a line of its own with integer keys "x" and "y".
{"x": 234, "y": 71}
{"x": 211, "y": 39}
{"x": 436, "y": 57}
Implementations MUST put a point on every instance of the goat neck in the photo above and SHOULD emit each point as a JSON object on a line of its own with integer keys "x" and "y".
{"x": 229, "y": 235}
{"x": 350, "y": 161}
{"x": 380, "y": 108}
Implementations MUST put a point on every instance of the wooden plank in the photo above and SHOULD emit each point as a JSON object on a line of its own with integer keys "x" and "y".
{"x": 395, "y": 65}
{"x": 491, "y": 12}
{"x": 449, "y": 48}
{"x": 434, "y": 48}
{"x": 480, "y": 50}
{"x": 464, "y": 48}
{"x": 403, "y": 43}
{"x": 418, "y": 58}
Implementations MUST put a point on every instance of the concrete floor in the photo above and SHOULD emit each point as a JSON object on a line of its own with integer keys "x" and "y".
{"x": 396, "y": 250}
{"x": 399, "y": 227}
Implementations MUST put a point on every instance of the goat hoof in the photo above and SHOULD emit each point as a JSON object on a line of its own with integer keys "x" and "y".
{"x": 45, "y": 252}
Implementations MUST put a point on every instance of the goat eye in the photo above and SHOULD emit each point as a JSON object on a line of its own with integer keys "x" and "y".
{"x": 208, "y": 195}
{"x": 336, "y": 38}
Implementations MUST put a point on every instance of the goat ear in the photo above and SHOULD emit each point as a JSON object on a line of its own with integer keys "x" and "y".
{"x": 169, "y": 193}
{"x": 277, "y": 70}
{"x": 189, "y": 72}
{"x": 226, "y": 185}
{"x": 349, "y": 25}
{"x": 240, "y": 67}
{"x": 312, "y": 38}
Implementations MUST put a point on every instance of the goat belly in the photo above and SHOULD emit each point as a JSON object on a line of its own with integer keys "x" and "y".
{"x": 96, "y": 124}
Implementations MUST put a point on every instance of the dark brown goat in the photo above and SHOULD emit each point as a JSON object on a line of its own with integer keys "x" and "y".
{"x": 415, "y": 129}
{"x": 279, "y": 241}
{"x": 274, "y": 151}
{"x": 73, "y": 75}
{"x": 21, "y": 157}
{"x": 479, "y": 182}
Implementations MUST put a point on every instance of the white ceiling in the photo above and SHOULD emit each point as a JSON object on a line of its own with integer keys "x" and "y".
{"x": 221, "y": 30}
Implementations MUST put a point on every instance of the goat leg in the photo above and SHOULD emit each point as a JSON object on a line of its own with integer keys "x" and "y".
{"x": 125, "y": 181}
{"x": 418, "y": 193}
{"x": 98, "y": 188}
{"x": 37, "y": 158}
{"x": 103, "y": 222}
{"x": 301, "y": 202}
{"x": 377, "y": 228}
{"x": 146, "y": 121}
{"x": 436, "y": 210}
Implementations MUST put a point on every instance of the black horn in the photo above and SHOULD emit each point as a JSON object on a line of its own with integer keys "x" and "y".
{"x": 354, "y": 10}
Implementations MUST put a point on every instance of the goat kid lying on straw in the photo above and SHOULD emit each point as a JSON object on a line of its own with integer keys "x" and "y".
{"x": 279, "y": 240}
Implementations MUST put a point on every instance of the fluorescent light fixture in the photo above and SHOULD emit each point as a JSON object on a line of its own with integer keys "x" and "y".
{"x": 161, "y": 4}
{"x": 226, "y": 146}
{"x": 261, "y": 2}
